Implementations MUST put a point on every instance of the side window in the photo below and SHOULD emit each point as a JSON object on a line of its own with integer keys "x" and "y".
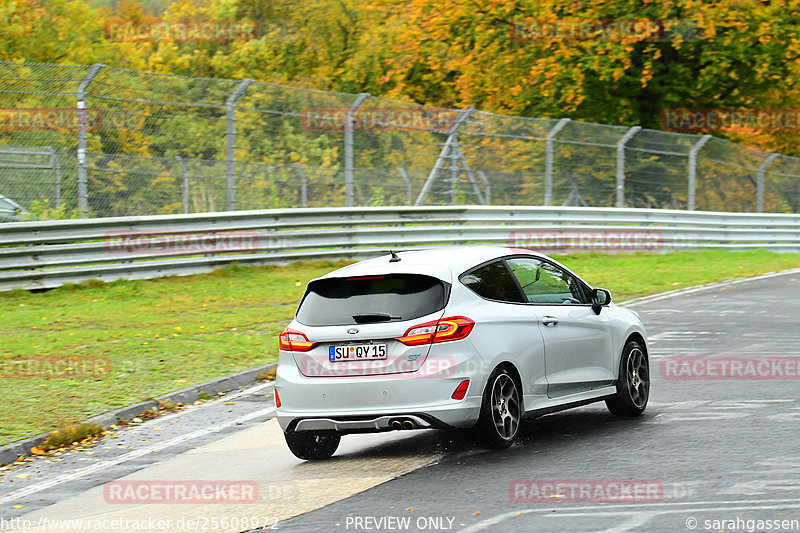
{"x": 494, "y": 282}
{"x": 544, "y": 283}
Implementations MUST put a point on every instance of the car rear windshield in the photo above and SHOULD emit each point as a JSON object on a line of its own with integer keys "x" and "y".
{"x": 365, "y": 299}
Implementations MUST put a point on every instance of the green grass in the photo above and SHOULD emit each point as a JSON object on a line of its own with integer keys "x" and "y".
{"x": 152, "y": 337}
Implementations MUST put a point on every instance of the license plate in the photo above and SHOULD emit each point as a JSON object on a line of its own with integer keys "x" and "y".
{"x": 356, "y": 352}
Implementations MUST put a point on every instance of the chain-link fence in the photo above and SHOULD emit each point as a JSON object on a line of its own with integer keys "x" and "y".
{"x": 100, "y": 141}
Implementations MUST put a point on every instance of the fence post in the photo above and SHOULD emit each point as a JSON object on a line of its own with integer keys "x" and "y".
{"x": 56, "y": 164}
{"x": 404, "y": 175}
{"x": 230, "y": 142}
{"x": 488, "y": 194}
{"x": 348, "y": 150}
{"x": 548, "y": 160}
{"x": 693, "y": 170}
{"x": 760, "y": 182}
{"x": 303, "y": 185}
{"x": 185, "y": 187}
{"x": 83, "y": 187}
{"x": 452, "y": 136}
{"x": 456, "y": 153}
{"x": 621, "y": 164}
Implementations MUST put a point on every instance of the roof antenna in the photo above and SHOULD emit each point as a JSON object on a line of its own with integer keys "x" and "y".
{"x": 395, "y": 258}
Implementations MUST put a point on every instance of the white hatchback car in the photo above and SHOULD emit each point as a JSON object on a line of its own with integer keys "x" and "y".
{"x": 452, "y": 337}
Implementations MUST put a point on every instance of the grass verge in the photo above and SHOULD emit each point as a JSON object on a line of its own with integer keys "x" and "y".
{"x": 133, "y": 340}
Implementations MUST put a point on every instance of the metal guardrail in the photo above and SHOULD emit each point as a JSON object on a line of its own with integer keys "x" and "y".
{"x": 36, "y": 255}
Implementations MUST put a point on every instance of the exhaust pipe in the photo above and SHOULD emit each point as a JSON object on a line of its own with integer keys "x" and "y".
{"x": 396, "y": 424}
{"x": 408, "y": 424}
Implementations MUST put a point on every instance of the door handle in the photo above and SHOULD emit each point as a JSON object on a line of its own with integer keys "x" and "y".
{"x": 549, "y": 320}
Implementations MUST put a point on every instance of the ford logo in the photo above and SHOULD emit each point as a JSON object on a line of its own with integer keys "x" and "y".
{"x": 352, "y": 331}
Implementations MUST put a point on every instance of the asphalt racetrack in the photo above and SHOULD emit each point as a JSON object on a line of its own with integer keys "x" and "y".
{"x": 722, "y": 449}
{"x": 716, "y": 450}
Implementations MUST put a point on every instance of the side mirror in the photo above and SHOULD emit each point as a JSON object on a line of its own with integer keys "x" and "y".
{"x": 600, "y": 298}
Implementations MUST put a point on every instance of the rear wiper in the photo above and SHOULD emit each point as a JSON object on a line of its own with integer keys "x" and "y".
{"x": 364, "y": 318}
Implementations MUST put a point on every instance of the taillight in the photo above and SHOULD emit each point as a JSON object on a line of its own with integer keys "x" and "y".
{"x": 461, "y": 390}
{"x": 277, "y": 399}
{"x": 444, "y": 330}
{"x": 294, "y": 341}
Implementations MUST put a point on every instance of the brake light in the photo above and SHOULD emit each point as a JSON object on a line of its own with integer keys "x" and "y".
{"x": 294, "y": 341}
{"x": 461, "y": 390}
{"x": 447, "y": 329}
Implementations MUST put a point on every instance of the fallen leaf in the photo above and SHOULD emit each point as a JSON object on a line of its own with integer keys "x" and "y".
{"x": 476, "y": 513}
{"x": 22, "y": 476}
{"x": 230, "y": 403}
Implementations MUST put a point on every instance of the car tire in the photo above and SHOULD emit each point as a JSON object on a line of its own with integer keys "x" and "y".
{"x": 312, "y": 445}
{"x": 501, "y": 411}
{"x": 633, "y": 383}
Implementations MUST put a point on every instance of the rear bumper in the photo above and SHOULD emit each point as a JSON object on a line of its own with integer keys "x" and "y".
{"x": 369, "y": 424}
{"x": 372, "y": 403}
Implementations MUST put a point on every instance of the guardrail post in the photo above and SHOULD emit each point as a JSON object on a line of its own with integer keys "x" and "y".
{"x": 230, "y": 142}
{"x": 404, "y": 175}
{"x": 349, "y": 192}
{"x": 452, "y": 136}
{"x": 56, "y": 164}
{"x": 83, "y": 187}
{"x": 185, "y": 187}
{"x": 548, "y": 160}
{"x": 621, "y": 164}
{"x": 760, "y": 181}
{"x": 693, "y": 170}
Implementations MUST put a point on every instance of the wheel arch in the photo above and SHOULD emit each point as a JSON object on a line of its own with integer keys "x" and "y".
{"x": 515, "y": 375}
{"x": 638, "y": 337}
